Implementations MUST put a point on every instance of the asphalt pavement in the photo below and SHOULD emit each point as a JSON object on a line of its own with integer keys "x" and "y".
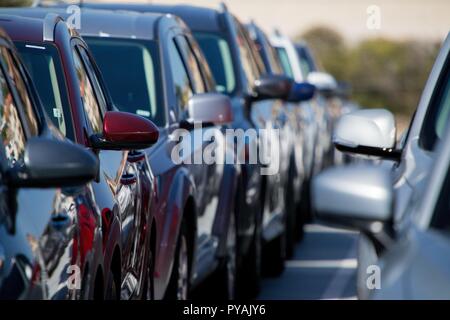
{"x": 323, "y": 267}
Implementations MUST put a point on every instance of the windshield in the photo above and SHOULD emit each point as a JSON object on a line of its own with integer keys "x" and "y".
{"x": 44, "y": 66}
{"x": 130, "y": 69}
{"x": 218, "y": 54}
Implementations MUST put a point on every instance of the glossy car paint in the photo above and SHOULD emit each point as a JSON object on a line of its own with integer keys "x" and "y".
{"x": 200, "y": 19}
{"x": 311, "y": 115}
{"x": 289, "y": 119}
{"x": 124, "y": 190}
{"x": 46, "y": 234}
{"x": 199, "y": 196}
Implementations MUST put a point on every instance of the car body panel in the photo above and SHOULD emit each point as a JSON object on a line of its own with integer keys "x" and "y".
{"x": 123, "y": 191}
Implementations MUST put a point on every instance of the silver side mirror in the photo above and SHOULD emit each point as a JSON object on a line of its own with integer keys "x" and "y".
{"x": 368, "y": 132}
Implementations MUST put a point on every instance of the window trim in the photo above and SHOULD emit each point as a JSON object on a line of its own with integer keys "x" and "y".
{"x": 427, "y": 133}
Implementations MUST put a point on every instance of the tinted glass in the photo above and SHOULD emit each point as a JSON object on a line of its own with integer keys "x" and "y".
{"x": 98, "y": 89}
{"x": 14, "y": 74}
{"x": 180, "y": 77}
{"x": 44, "y": 66}
{"x": 218, "y": 54}
{"x": 306, "y": 60}
{"x": 130, "y": 69}
{"x": 11, "y": 130}
{"x": 90, "y": 103}
{"x": 247, "y": 60}
{"x": 284, "y": 60}
{"x": 191, "y": 64}
{"x": 438, "y": 112}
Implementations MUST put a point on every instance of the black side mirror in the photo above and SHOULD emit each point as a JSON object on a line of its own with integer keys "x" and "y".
{"x": 273, "y": 87}
{"x": 53, "y": 163}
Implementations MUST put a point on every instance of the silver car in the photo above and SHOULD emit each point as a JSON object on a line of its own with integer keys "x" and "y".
{"x": 405, "y": 169}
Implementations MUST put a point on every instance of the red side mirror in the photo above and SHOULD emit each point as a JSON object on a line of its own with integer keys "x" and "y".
{"x": 122, "y": 130}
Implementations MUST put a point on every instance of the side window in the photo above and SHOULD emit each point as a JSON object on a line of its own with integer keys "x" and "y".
{"x": 191, "y": 64}
{"x": 248, "y": 65}
{"x": 19, "y": 83}
{"x": 180, "y": 77}
{"x": 284, "y": 59}
{"x": 438, "y": 113}
{"x": 90, "y": 103}
{"x": 11, "y": 130}
{"x": 210, "y": 83}
{"x": 94, "y": 78}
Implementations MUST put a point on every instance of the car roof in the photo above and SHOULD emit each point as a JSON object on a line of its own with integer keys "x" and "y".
{"x": 101, "y": 22}
{"x": 4, "y": 36}
{"x": 23, "y": 28}
{"x": 197, "y": 18}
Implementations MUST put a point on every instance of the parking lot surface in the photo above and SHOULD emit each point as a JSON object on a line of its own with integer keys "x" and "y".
{"x": 323, "y": 267}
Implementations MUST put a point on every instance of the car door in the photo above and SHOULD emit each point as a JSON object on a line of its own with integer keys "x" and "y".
{"x": 189, "y": 81}
{"x": 41, "y": 232}
{"x": 266, "y": 115}
{"x": 115, "y": 171}
{"x": 140, "y": 174}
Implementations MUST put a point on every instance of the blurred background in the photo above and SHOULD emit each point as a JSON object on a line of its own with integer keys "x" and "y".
{"x": 384, "y": 49}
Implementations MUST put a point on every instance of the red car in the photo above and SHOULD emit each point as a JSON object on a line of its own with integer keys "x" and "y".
{"x": 69, "y": 83}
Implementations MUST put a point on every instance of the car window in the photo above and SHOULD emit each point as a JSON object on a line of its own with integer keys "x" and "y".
{"x": 218, "y": 54}
{"x": 438, "y": 112}
{"x": 191, "y": 64}
{"x": 90, "y": 103}
{"x": 208, "y": 78}
{"x": 44, "y": 66}
{"x": 267, "y": 53}
{"x": 19, "y": 84}
{"x": 98, "y": 89}
{"x": 11, "y": 130}
{"x": 257, "y": 62}
{"x": 248, "y": 65}
{"x": 441, "y": 215}
{"x": 284, "y": 60}
{"x": 134, "y": 84}
{"x": 180, "y": 78}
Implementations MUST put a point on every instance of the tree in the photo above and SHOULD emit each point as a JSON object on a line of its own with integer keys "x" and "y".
{"x": 16, "y": 3}
{"x": 330, "y": 49}
{"x": 384, "y": 73}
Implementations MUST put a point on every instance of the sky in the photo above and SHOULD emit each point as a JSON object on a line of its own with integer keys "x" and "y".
{"x": 397, "y": 19}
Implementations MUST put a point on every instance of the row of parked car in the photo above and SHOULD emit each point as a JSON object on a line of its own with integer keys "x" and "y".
{"x": 93, "y": 204}
{"x": 400, "y": 205}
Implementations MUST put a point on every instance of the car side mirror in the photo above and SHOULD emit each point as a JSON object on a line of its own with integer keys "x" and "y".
{"x": 272, "y": 87}
{"x": 52, "y": 163}
{"x": 125, "y": 131}
{"x": 368, "y": 132}
{"x": 324, "y": 82}
{"x": 301, "y": 91}
{"x": 213, "y": 108}
{"x": 357, "y": 196}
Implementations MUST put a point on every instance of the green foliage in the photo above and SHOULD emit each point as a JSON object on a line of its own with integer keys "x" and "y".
{"x": 15, "y": 3}
{"x": 383, "y": 72}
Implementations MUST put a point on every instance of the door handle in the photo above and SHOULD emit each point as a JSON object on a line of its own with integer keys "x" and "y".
{"x": 135, "y": 156}
{"x": 128, "y": 179}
